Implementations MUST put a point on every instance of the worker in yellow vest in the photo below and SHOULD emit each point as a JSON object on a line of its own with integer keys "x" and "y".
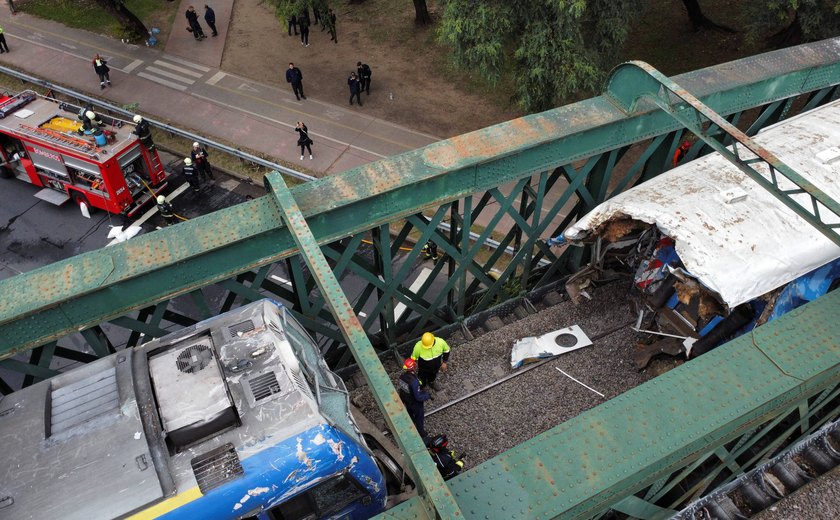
{"x": 431, "y": 354}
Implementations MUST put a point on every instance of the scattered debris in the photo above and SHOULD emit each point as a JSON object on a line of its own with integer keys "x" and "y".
{"x": 531, "y": 349}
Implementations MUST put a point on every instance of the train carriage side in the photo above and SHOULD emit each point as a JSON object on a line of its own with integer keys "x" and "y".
{"x": 234, "y": 417}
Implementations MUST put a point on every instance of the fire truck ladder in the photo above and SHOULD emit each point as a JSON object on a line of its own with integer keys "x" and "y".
{"x": 59, "y": 138}
{"x": 155, "y": 160}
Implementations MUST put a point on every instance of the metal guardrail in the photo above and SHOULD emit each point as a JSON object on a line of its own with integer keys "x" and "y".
{"x": 160, "y": 125}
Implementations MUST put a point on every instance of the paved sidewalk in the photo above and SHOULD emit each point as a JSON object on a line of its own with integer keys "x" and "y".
{"x": 183, "y": 85}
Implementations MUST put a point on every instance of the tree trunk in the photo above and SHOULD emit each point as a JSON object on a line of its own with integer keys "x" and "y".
{"x": 699, "y": 20}
{"x": 135, "y": 28}
{"x": 422, "y": 12}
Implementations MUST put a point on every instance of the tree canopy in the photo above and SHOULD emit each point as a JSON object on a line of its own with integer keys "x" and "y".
{"x": 555, "y": 49}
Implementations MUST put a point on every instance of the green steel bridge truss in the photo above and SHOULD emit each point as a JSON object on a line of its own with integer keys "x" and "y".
{"x": 511, "y": 185}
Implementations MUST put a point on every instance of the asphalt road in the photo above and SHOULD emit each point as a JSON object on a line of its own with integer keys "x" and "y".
{"x": 34, "y": 233}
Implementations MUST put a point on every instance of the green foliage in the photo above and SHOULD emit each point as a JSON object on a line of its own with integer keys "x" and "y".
{"x": 817, "y": 19}
{"x": 87, "y": 15}
{"x": 286, "y": 8}
{"x": 554, "y": 48}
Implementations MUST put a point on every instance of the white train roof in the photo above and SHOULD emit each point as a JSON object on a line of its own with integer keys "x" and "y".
{"x": 731, "y": 234}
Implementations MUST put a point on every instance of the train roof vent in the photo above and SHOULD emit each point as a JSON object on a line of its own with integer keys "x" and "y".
{"x": 194, "y": 358}
{"x": 216, "y": 467}
{"x": 82, "y": 401}
{"x": 264, "y": 385}
{"x": 241, "y": 328}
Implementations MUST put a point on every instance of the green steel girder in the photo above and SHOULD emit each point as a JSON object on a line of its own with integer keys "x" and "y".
{"x": 96, "y": 287}
{"x": 636, "y": 79}
{"x": 430, "y": 483}
{"x": 733, "y": 397}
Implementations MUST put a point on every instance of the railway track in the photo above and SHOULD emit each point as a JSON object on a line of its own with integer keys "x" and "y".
{"x": 486, "y": 407}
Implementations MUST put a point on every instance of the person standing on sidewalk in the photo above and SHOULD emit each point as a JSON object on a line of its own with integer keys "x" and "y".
{"x": 3, "y": 46}
{"x": 195, "y": 27}
{"x": 304, "y": 140}
{"x": 364, "y": 72}
{"x": 355, "y": 90}
{"x": 102, "y": 70}
{"x": 295, "y": 77}
{"x": 210, "y": 18}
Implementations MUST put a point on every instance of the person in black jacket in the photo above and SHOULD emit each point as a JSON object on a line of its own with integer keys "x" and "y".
{"x": 195, "y": 27}
{"x": 102, "y": 70}
{"x": 304, "y": 141}
{"x": 295, "y": 77}
{"x": 355, "y": 90}
{"x": 364, "y": 73}
{"x": 166, "y": 211}
{"x": 303, "y": 22}
{"x": 408, "y": 387}
{"x": 292, "y": 24}
{"x": 210, "y": 18}
{"x": 201, "y": 160}
{"x": 189, "y": 173}
{"x": 447, "y": 463}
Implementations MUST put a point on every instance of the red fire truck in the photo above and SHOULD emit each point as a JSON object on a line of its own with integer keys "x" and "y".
{"x": 99, "y": 163}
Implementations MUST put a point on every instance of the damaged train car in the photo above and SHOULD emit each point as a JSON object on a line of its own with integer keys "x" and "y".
{"x": 711, "y": 253}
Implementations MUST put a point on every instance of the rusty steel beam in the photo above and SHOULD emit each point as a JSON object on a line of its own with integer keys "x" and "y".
{"x": 433, "y": 489}
{"x": 632, "y": 81}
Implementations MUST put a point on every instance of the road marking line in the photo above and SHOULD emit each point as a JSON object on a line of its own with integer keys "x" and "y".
{"x": 216, "y": 78}
{"x": 172, "y": 75}
{"x": 161, "y": 81}
{"x": 133, "y": 65}
{"x": 317, "y": 118}
{"x": 68, "y": 46}
{"x": 185, "y": 62}
{"x": 282, "y": 123}
{"x": 179, "y": 69}
{"x": 281, "y": 280}
{"x": 362, "y": 314}
{"x": 418, "y": 282}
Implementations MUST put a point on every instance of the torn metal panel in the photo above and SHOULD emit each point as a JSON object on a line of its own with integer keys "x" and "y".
{"x": 734, "y": 237}
{"x": 530, "y": 349}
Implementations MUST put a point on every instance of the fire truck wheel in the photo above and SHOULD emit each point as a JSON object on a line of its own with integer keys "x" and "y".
{"x": 5, "y": 173}
{"x": 80, "y": 199}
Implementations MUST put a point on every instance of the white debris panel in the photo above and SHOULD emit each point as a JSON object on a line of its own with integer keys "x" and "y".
{"x": 531, "y": 349}
{"x": 732, "y": 235}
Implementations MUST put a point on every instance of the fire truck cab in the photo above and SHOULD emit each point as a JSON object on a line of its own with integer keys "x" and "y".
{"x": 100, "y": 163}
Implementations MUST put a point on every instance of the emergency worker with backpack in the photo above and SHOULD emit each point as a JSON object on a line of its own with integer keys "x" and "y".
{"x": 448, "y": 464}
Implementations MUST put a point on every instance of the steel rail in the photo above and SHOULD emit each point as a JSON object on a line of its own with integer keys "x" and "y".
{"x": 517, "y": 373}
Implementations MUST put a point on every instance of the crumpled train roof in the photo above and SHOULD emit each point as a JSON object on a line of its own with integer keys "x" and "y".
{"x": 743, "y": 249}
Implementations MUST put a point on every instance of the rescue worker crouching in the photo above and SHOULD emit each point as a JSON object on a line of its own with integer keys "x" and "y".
{"x": 412, "y": 396}
{"x": 431, "y": 354}
{"x": 447, "y": 463}
{"x": 166, "y": 210}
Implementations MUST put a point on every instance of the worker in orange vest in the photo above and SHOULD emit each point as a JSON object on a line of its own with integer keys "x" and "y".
{"x": 681, "y": 152}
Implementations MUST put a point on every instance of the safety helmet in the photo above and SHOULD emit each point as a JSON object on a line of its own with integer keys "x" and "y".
{"x": 187, "y": 161}
{"x": 195, "y": 144}
{"x": 90, "y": 114}
{"x": 138, "y": 118}
{"x": 409, "y": 364}
{"x": 161, "y": 199}
{"x": 439, "y": 442}
{"x": 428, "y": 339}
